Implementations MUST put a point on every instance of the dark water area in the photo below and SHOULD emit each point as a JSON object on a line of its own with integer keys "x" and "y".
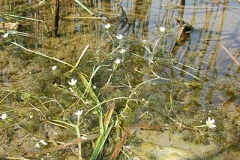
{"x": 158, "y": 77}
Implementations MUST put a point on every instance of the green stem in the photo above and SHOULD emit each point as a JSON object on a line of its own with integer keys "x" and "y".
{"x": 43, "y": 55}
{"x": 84, "y": 7}
{"x": 201, "y": 126}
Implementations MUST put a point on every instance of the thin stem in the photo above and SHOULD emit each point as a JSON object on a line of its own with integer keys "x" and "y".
{"x": 43, "y": 55}
{"x": 79, "y": 59}
{"x": 79, "y": 135}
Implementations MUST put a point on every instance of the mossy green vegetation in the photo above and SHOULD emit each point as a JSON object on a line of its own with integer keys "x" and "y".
{"x": 77, "y": 95}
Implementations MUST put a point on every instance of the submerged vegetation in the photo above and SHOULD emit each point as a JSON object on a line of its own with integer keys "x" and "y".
{"x": 65, "y": 95}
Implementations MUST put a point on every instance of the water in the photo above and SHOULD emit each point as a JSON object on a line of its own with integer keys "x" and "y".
{"x": 172, "y": 82}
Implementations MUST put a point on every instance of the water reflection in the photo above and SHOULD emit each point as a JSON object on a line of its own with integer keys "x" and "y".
{"x": 199, "y": 55}
{"x": 203, "y": 51}
{"x": 212, "y": 28}
{"x": 215, "y": 24}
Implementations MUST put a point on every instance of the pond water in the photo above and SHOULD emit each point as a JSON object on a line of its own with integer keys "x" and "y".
{"x": 158, "y": 82}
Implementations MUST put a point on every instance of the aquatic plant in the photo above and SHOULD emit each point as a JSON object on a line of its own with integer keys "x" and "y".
{"x": 3, "y": 116}
{"x": 106, "y": 91}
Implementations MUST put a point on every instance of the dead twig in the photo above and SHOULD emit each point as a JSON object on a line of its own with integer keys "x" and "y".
{"x": 120, "y": 145}
{"x": 63, "y": 146}
{"x": 56, "y": 18}
{"x": 233, "y": 58}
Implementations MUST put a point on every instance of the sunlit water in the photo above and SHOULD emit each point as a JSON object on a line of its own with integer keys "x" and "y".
{"x": 203, "y": 68}
{"x": 216, "y": 25}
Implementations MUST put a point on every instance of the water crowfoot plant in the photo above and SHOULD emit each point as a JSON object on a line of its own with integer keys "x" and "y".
{"x": 107, "y": 26}
{"x": 119, "y": 37}
{"x": 43, "y": 142}
{"x": 72, "y": 82}
{"x": 209, "y": 123}
{"x": 162, "y": 29}
{"x": 153, "y": 51}
{"x": 104, "y": 129}
{"x": 54, "y": 68}
{"x": 76, "y": 127}
{"x": 5, "y": 35}
{"x": 3, "y": 116}
{"x": 117, "y": 61}
{"x": 122, "y": 51}
{"x": 78, "y": 114}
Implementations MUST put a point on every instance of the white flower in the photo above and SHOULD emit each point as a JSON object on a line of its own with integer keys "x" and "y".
{"x": 33, "y": 139}
{"x": 79, "y": 113}
{"x": 210, "y": 123}
{"x": 122, "y": 51}
{"x": 150, "y": 61}
{"x": 72, "y": 82}
{"x": 5, "y": 35}
{"x": 54, "y": 68}
{"x": 107, "y": 26}
{"x": 144, "y": 41}
{"x": 119, "y": 37}
{"x": 37, "y": 145}
{"x": 128, "y": 147}
{"x": 117, "y": 61}
{"x": 162, "y": 29}
{"x": 3, "y": 116}
{"x": 43, "y": 142}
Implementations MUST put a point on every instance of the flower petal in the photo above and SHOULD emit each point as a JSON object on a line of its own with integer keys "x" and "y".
{"x": 212, "y": 126}
{"x": 162, "y": 29}
{"x": 54, "y": 68}
{"x": 3, "y": 116}
{"x": 43, "y": 142}
{"x": 79, "y": 112}
{"x": 213, "y": 121}
{"x": 107, "y": 26}
{"x": 72, "y": 82}
{"x": 119, "y": 37}
{"x": 117, "y": 61}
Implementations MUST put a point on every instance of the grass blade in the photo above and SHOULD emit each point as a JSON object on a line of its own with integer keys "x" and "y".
{"x": 84, "y": 7}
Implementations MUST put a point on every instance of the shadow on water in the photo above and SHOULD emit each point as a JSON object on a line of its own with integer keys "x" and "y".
{"x": 176, "y": 80}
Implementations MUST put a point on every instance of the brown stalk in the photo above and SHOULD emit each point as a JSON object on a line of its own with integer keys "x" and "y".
{"x": 120, "y": 145}
{"x": 63, "y": 146}
{"x": 9, "y": 26}
{"x": 233, "y": 58}
{"x": 109, "y": 114}
{"x": 56, "y": 19}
